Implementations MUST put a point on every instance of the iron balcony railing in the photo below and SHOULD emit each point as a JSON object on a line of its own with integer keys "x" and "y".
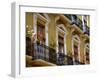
{"x": 48, "y": 54}
{"x": 75, "y": 20}
{"x": 87, "y": 30}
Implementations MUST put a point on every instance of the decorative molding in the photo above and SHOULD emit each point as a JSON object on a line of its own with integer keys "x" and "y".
{"x": 78, "y": 41}
{"x": 65, "y": 35}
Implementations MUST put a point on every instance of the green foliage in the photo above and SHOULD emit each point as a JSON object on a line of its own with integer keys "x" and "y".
{"x": 29, "y": 31}
{"x": 52, "y": 44}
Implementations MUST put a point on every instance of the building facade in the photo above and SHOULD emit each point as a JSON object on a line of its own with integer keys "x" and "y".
{"x": 61, "y": 39}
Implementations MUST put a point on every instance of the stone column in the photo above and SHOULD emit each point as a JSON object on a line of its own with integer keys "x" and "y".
{"x": 70, "y": 30}
{"x": 82, "y": 47}
{"x": 69, "y": 41}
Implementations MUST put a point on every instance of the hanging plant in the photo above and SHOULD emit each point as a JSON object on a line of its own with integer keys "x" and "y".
{"x": 29, "y": 31}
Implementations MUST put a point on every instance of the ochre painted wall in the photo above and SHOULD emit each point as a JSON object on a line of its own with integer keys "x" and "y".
{"x": 52, "y": 34}
{"x": 52, "y": 31}
{"x": 69, "y": 42}
{"x": 82, "y": 54}
{"x": 29, "y": 19}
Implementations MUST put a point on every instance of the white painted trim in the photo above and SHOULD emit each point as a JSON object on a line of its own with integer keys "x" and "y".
{"x": 56, "y": 40}
{"x": 85, "y": 47}
{"x": 78, "y": 41}
{"x": 72, "y": 18}
{"x": 47, "y": 17}
{"x": 84, "y": 28}
{"x": 65, "y": 35}
{"x": 35, "y": 23}
{"x": 62, "y": 25}
{"x": 46, "y": 28}
{"x": 35, "y": 16}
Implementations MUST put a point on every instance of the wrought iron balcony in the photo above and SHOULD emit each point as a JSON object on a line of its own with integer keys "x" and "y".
{"x": 76, "y": 62}
{"x": 61, "y": 59}
{"x": 75, "y": 20}
{"x": 48, "y": 54}
{"x": 41, "y": 51}
{"x": 87, "y": 30}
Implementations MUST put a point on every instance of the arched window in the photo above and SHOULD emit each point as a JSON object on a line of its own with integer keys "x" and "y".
{"x": 41, "y": 26}
{"x": 61, "y": 38}
{"x": 61, "y": 34}
{"x": 41, "y": 21}
{"x": 87, "y": 55}
{"x": 76, "y": 49}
